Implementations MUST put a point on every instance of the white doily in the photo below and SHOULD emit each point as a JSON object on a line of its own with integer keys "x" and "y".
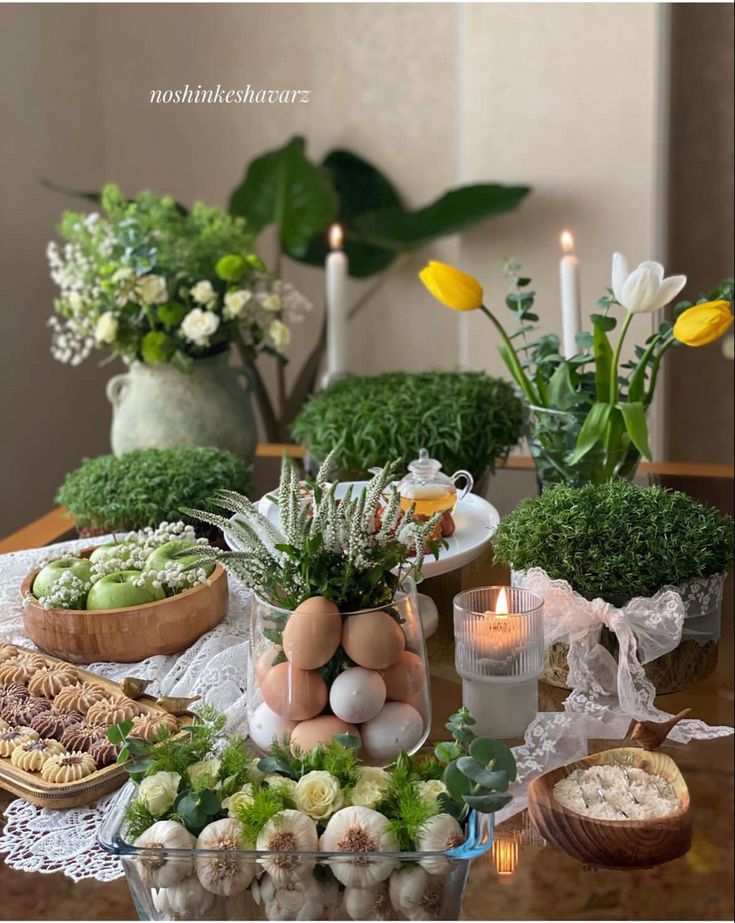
{"x": 215, "y": 667}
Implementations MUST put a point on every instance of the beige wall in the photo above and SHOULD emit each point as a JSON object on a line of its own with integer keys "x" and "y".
{"x": 561, "y": 96}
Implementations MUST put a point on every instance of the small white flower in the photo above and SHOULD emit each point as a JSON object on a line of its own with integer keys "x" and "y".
{"x": 106, "y": 329}
{"x": 235, "y": 303}
{"x": 279, "y": 335}
{"x": 206, "y": 770}
{"x": 158, "y": 792}
{"x": 273, "y": 780}
{"x": 151, "y": 289}
{"x": 370, "y": 786}
{"x": 318, "y": 794}
{"x": 198, "y": 326}
{"x": 241, "y": 797}
{"x": 122, "y": 274}
{"x": 75, "y": 301}
{"x": 203, "y": 292}
{"x": 431, "y": 790}
{"x": 271, "y": 302}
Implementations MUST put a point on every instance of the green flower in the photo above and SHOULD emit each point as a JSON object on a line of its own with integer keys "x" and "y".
{"x": 231, "y": 268}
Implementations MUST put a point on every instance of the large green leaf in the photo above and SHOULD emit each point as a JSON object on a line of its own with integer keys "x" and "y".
{"x": 634, "y": 415}
{"x": 592, "y": 430}
{"x": 361, "y": 187}
{"x": 603, "y": 361}
{"x": 560, "y": 391}
{"x": 283, "y": 187}
{"x": 401, "y": 230}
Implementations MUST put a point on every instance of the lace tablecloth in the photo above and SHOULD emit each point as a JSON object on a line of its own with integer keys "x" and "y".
{"x": 39, "y": 840}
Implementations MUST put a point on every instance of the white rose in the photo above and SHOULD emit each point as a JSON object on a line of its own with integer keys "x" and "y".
{"x": 105, "y": 330}
{"x": 122, "y": 274}
{"x": 152, "y": 289}
{"x": 235, "y": 303}
{"x": 318, "y": 794}
{"x": 243, "y": 796}
{"x": 279, "y": 335}
{"x": 198, "y": 326}
{"x": 209, "y": 768}
{"x": 158, "y": 792}
{"x": 431, "y": 790}
{"x": 370, "y": 786}
{"x": 275, "y": 781}
{"x": 203, "y": 293}
{"x": 271, "y": 302}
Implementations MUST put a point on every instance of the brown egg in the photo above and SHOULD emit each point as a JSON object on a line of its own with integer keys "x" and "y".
{"x": 265, "y": 662}
{"x": 373, "y": 640}
{"x": 405, "y": 678}
{"x": 307, "y": 734}
{"x": 312, "y": 633}
{"x": 293, "y": 693}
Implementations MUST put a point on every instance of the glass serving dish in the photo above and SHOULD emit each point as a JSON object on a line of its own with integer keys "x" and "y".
{"x": 374, "y": 685}
{"x": 166, "y": 884}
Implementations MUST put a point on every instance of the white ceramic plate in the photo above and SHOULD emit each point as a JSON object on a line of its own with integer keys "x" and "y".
{"x": 475, "y": 519}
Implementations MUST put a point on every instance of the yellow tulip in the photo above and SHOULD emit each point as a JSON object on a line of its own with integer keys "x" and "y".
{"x": 704, "y": 323}
{"x": 452, "y": 287}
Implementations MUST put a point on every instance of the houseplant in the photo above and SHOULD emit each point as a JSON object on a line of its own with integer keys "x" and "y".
{"x": 139, "y": 489}
{"x": 336, "y": 638}
{"x": 464, "y": 419}
{"x": 615, "y": 542}
{"x": 587, "y": 413}
{"x": 292, "y": 826}
{"x": 169, "y": 291}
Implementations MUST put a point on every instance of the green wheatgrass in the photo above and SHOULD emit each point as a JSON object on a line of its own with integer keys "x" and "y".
{"x": 616, "y": 541}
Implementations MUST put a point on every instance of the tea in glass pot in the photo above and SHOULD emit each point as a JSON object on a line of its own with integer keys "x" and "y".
{"x": 429, "y": 489}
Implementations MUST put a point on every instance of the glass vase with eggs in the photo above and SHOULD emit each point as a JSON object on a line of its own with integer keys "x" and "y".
{"x": 336, "y": 642}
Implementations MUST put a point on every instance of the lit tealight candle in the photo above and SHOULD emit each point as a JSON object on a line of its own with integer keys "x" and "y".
{"x": 499, "y": 637}
{"x": 571, "y": 318}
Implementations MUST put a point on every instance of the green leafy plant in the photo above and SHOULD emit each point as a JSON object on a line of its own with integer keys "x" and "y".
{"x": 143, "y": 487}
{"x": 352, "y": 551}
{"x": 464, "y": 419}
{"x": 477, "y": 771}
{"x": 616, "y": 541}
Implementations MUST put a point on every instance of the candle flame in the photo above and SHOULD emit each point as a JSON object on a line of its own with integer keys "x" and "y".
{"x": 335, "y": 237}
{"x": 501, "y": 604}
{"x": 567, "y": 242}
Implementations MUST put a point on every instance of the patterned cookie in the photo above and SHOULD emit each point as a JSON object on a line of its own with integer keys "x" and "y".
{"x": 13, "y": 672}
{"x": 27, "y": 709}
{"x": 53, "y": 723}
{"x": 80, "y": 737}
{"x": 50, "y": 681}
{"x": 14, "y": 737}
{"x": 67, "y": 767}
{"x": 104, "y": 753}
{"x": 7, "y": 651}
{"x": 32, "y": 754}
{"x": 14, "y": 690}
{"x": 113, "y": 711}
{"x": 4, "y": 726}
{"x": 80, "y": 697}
{"x": 146, "y": 727}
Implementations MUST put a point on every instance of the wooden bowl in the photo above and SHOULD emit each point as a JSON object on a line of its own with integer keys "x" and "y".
{"x": 127, "y": 635}
{"x": 615, "y": 844}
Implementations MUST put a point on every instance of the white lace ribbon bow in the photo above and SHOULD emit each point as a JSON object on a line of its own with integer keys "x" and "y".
{"x": 646, "y": 628}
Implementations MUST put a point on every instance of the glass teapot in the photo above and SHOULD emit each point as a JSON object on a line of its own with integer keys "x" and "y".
{"x": 429, "y": 488}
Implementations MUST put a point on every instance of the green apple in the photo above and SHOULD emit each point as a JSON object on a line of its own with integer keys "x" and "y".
{"x": 118, "y": 591}
{"x": 119, "y": 550}
{"x": 158, "y": 559}
{"x": 48, "y": 575}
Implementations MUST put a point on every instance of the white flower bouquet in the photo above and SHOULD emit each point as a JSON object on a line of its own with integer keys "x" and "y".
{"x": 147, "y": 280}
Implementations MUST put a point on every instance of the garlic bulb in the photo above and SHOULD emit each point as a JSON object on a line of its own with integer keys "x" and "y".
{"x": 416, "y": 894}
{"x": 189, "y": 899}
{"x": 224, "y": 873}
{"x": 161, "y": 871}
{"x": 368, "y": 903}
{"x": 299, "y": 899}
{"x": 439, "y": 833}
{"x": 359, "y": 830}
{"x": 288, "y": 832}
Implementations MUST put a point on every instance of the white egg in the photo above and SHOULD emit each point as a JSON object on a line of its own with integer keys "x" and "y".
{"x": 265, "y": 724}
{"x": 397, "y": 727}
{"x": 357, "y": 695}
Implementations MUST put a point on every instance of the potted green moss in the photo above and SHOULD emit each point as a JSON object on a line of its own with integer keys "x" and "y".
{"x": 465, "y": 420}
{"x": 615, "y": 542}
{"x": 147, "y": 486}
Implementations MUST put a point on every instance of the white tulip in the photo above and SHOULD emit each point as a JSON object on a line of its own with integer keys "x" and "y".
{"x": 198, "y": 326}
{"x": 645, "y": 289}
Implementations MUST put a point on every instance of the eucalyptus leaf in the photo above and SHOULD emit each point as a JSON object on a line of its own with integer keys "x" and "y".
{"x": 494, "y": 753}
{"x": 487, "y": 804}
{"x": 480, "y": 775}
{"x": 456, "y": 782}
